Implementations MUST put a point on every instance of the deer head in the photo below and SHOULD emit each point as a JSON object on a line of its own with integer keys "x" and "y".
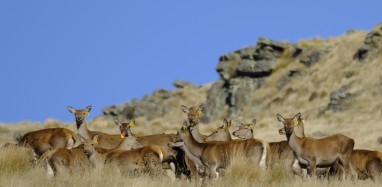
{"x": 220, "y": 133}
{"x": 80, "y": 114}
{"x": 245, "y": 131}
{"x": 193, "y": 114}
{"x": 125, "y": 128}
{"x": 89, "y": 145}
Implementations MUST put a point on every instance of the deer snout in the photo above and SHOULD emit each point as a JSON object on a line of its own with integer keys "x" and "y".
{"x": 88, "y": 153}
{"x": 234, "y": 134}
{"x": 288, "y": 130}
{"x": 282, "y": 131}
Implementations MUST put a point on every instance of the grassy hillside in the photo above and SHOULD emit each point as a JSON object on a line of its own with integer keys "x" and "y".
{"x": 308, "y": 93}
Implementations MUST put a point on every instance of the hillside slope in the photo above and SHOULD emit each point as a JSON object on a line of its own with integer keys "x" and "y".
{"x": 336, "y": 82}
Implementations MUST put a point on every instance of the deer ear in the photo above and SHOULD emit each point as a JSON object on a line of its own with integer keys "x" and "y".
{"x": 82, "y": 140}
{"x": 280, "y": 118}
{"x": 185, "y": 109}
{"x": 117, "y": 122}
{"x": 185, "y": 124}
{"x": 95, "y": 138}
{"x": 297, "y": 116}
{"x": 201, "y": 108}
{"x": 253, "y": 122}
{"x": 229, "y": 123}
{"x": 132, "y": 123}
{"x": 88, "y": 108}
{"x": 238, "y": 123}
{"x": 71, "y": 109}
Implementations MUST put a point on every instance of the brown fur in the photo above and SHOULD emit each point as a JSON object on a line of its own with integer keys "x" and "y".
{"x": 47, "y": 139}
{"x": 324, "y": 152}
{"x": 107, "y": 141}
{"x": 134, "y": 161}
{"x": 216, "y": 155}
{"x": 367, "y": 163}
{"x": 60, "y": 159}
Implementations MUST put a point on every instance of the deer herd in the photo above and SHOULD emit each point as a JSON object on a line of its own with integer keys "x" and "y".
{"x": 198, "y": 156}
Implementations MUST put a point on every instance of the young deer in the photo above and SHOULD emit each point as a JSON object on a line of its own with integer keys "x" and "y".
{"x": 324, "y": 152}
{"x": 368, "y": 164}
{"x": 155, "y": 139}
{"x": 106, "y": 141}
{"x": 61, "y": 159}
{"x": 142, "y": 160}
{"x": 280, "y": 152}
{"x": 47, "y": 139}
{"x": 218, "y": 154}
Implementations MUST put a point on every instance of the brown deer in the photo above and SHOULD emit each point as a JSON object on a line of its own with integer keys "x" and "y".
{"x": 194, "y": 164}
{"x": 324, "y": 152}
{"x": 193, "y": 115}
{"x": 171, "y": 157}
{"x": 142, "y": 160}
{"x": 280, "y": 152}
{"x": 368, "y": 164}
{"x": 60, "y": 159}
{"x": 218, "y": 154}
{"x": 106, "y": 141}
{"x": 220, "y": 134}
{"x": 47, "y": 139}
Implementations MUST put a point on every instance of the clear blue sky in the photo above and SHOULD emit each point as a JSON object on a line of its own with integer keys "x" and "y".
{"x": 78, "y": 53}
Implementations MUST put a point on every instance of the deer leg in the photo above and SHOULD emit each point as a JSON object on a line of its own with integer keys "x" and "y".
{"x": 312, "y": 168}
{"x": 374, "y": 169}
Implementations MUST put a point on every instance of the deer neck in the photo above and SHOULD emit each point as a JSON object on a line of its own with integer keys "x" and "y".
{"x": 192, "y": 145}
{"x": 97, "y": 159}
{"x": 83, "y": 130}
{"x": 196, "y": 133}
{"x": 196, "y": 160}
{"x": 129, "y": 143}
{"x": 295, "y": 142}
{"x": 299, "y": 131}
{"x": 226, "y": 136}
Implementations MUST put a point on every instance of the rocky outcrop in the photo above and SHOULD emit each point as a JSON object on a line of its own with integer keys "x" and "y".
{"x": 156, "y": 104}
{"x": 244, "y": 71}
{"x": 184, "y": 84}
{"x": 151, "y": 106}
{"x": 372, "y": 43}
{"x": 339, "y": 99}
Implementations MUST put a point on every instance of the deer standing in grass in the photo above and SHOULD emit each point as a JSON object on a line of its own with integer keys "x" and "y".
{"x": 193, "y": 116}
{"x": 280, "y": 152}
{"x": 218, "y": 154}
{"x": 105, "y": 140}
{"x": 324, "y": 152}
{"x": 61, "y": 159}
{"x": 146, "y": 159}
{"x": 47, "y": 139}
{"x": 368, "y": 164}
{"x": 194, "y": 163}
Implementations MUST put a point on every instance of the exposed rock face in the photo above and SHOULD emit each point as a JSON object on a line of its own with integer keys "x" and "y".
{"x": 150, "y": 106}
{"x": 372, "y": 43}
{"x": 245, "y": 71}
{"x": 339, "y": 98}
{"x": 184, "y": 84}
{"x": 241, "y": 74}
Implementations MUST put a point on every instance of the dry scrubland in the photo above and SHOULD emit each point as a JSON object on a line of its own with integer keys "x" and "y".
{"x": 308, "y": 94}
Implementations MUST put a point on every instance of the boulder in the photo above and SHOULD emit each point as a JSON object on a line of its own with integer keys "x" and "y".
{"x": 372, "y": 43}
{"x": 183, "y": 84}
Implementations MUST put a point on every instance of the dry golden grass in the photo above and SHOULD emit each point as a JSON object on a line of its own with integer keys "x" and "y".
{"x": 17, "y": 170}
